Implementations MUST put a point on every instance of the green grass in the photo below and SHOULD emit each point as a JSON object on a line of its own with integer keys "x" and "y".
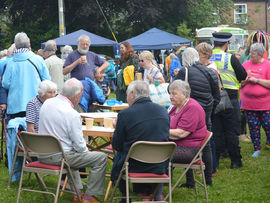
{"x": 247, "y": 184}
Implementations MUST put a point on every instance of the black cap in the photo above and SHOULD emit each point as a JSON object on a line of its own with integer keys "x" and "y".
{"x": 222, "y": 36}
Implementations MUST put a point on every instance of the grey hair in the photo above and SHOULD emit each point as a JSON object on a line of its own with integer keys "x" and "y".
{"x": 172, "y": 56}
{"x": 140, "y": 89}
{"x": 181, "y": 86}
{"x": 67, "y": 49}
{"x": 189, "y": 57}
{"x": 45, "y": 86}
{"x": 258, "y": 48}
{"x": 21, "y": 40}
{"x": 11, "y": 49}
{"x": 83, "y": 37}
{"x": 71, "y": 88}
{"x": 50, "y": 46}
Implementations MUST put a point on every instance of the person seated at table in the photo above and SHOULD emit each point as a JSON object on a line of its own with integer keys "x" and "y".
{"x": 46, "y": 90}
{"x": 187, "y": 125}
{"x": 103, "y": 83}
{"x": 142, "y": 121}
{"x": 58, "y": 118}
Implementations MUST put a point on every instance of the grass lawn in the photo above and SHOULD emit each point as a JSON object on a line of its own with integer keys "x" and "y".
{"x": 250, "y": 183}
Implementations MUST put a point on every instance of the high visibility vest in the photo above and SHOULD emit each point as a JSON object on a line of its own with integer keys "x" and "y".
{"x": 227, "y": 74}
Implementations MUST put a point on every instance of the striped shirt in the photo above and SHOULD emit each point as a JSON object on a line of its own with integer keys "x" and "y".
{"x": 32, "y": 112}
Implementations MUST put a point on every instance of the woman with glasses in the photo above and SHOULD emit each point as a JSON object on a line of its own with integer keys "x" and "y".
{"x": 152, "y": 74}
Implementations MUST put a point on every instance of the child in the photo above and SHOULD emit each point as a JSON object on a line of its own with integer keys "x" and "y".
{"x": 102, "y": 83}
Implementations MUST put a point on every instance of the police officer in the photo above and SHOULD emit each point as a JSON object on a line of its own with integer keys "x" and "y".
{"x": 226, "y": 124}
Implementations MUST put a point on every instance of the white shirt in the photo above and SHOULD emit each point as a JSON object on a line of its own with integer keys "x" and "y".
{"x": 55, "y": 67}
{"x": 57, "y": 117}
{"x": 154, "y": 72}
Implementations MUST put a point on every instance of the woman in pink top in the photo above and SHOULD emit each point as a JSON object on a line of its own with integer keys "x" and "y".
{"x": 188, "y": 127}
{"x": 255, "y": 96}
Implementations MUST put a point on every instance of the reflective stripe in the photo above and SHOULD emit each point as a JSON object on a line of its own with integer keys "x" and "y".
{"x": 225, "y": 82}
{"x": 227, "y": 71}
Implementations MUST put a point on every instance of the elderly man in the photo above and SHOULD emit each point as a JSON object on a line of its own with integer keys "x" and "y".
{"x": 54, "y": 64}
{"x": 57, "y": 117}
{"x": 142, "y": 121}
{"x": 22, "y": 76}
{"x": 81, "y": 63}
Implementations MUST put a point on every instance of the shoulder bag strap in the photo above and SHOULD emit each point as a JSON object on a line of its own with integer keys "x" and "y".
{"x": 35, "y": 68}
{"x": 186, "y": 75}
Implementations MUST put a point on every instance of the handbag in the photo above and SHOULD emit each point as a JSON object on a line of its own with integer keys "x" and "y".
{"x": 159, "y": 94}
{"x": 225, "y": 103}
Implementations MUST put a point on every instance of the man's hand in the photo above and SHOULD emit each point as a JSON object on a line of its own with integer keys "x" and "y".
{"x": 3, "y": 107}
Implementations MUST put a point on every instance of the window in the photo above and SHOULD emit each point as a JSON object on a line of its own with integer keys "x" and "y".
{"x": 240, "y": 13}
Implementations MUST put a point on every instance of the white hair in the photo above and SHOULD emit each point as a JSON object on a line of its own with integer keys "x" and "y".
{"x": 258, "y": 48}
{"x": 11, "y": 49}
{"x": 140, "y": 89}
{"x": 181, "y": 86}
{"x": 189, "y": 57}
{"x": 84, "y": 37}
{"x": 71, "y": 88}
{"x": 45, "y": 86}
{"x": 67, "y": 49}
{"x": 21, "y": 40}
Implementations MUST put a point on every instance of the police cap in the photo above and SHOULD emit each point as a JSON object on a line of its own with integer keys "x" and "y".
{"x": 222, "y": 36}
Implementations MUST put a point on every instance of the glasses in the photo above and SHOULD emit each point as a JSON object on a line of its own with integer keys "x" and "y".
{"x": 141, "y": 61}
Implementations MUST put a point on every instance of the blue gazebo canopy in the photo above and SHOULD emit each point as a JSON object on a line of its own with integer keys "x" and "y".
{"x": 156, "y": 39}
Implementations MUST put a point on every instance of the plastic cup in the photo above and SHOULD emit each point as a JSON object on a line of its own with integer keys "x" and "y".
{"x": 108, "y": 123}
{"x": 83, "y": 57}
{"x": 138, "y": 76}
{"x": 89, "y": 123}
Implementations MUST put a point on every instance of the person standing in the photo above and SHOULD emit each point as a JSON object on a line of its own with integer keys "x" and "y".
{"x": 128, "y": 57}
{"x": 22, "y": 76}
{"x": 255, "y": 98}
{"x": 54, "y": 64}
{"x": 226, "y": 124}
{"x": 81, "y": 63}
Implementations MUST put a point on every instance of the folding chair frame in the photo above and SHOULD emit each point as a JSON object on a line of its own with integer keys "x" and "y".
{"x": 55, "y": 147}
{"x": 152, "y": 148}
{"x": 196, "y": 163}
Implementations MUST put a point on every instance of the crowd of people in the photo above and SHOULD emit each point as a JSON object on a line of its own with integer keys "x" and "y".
{"x": 51, "y": 91}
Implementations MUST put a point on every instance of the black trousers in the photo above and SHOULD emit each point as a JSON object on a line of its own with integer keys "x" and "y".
{"x": 226, "y": 128}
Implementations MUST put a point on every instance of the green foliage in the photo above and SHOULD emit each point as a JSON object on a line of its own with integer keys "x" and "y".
{"x": 183, "y": 31}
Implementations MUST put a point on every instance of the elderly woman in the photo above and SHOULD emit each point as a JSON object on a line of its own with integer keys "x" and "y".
{"x": 204, "y": 89}
{"x": 151, "y": 72}
{"x": 255, "y": 96}
{"x": 187, "y": 125}
{"x": 46, "y": 90}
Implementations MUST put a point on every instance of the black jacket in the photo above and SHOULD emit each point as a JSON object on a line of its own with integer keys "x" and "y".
{"x": 143, "y": 121}
{"x": 204, "y": 85}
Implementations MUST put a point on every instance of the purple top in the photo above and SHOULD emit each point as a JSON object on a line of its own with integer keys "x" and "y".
{"x": 84, "y": 70}
{"x": 191, "y": 118}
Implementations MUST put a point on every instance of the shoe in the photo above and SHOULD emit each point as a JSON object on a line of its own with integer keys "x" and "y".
{"x": 235, "y": 165}
{"x": 214, "y": 173}
{"x": 267, "y": 146}
{"x": 93, "y": 200}
{"x": 76, "y": 199}
{"x": 256, "y": 154}
{"x": 186, "y": 185}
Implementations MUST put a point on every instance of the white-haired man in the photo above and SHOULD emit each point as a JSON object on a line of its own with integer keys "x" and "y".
{"x": 81, "y": 67}
{"x": 65, "y": 123}
{"x": 22, "y": 76}
{"x": 54, "y": 64}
